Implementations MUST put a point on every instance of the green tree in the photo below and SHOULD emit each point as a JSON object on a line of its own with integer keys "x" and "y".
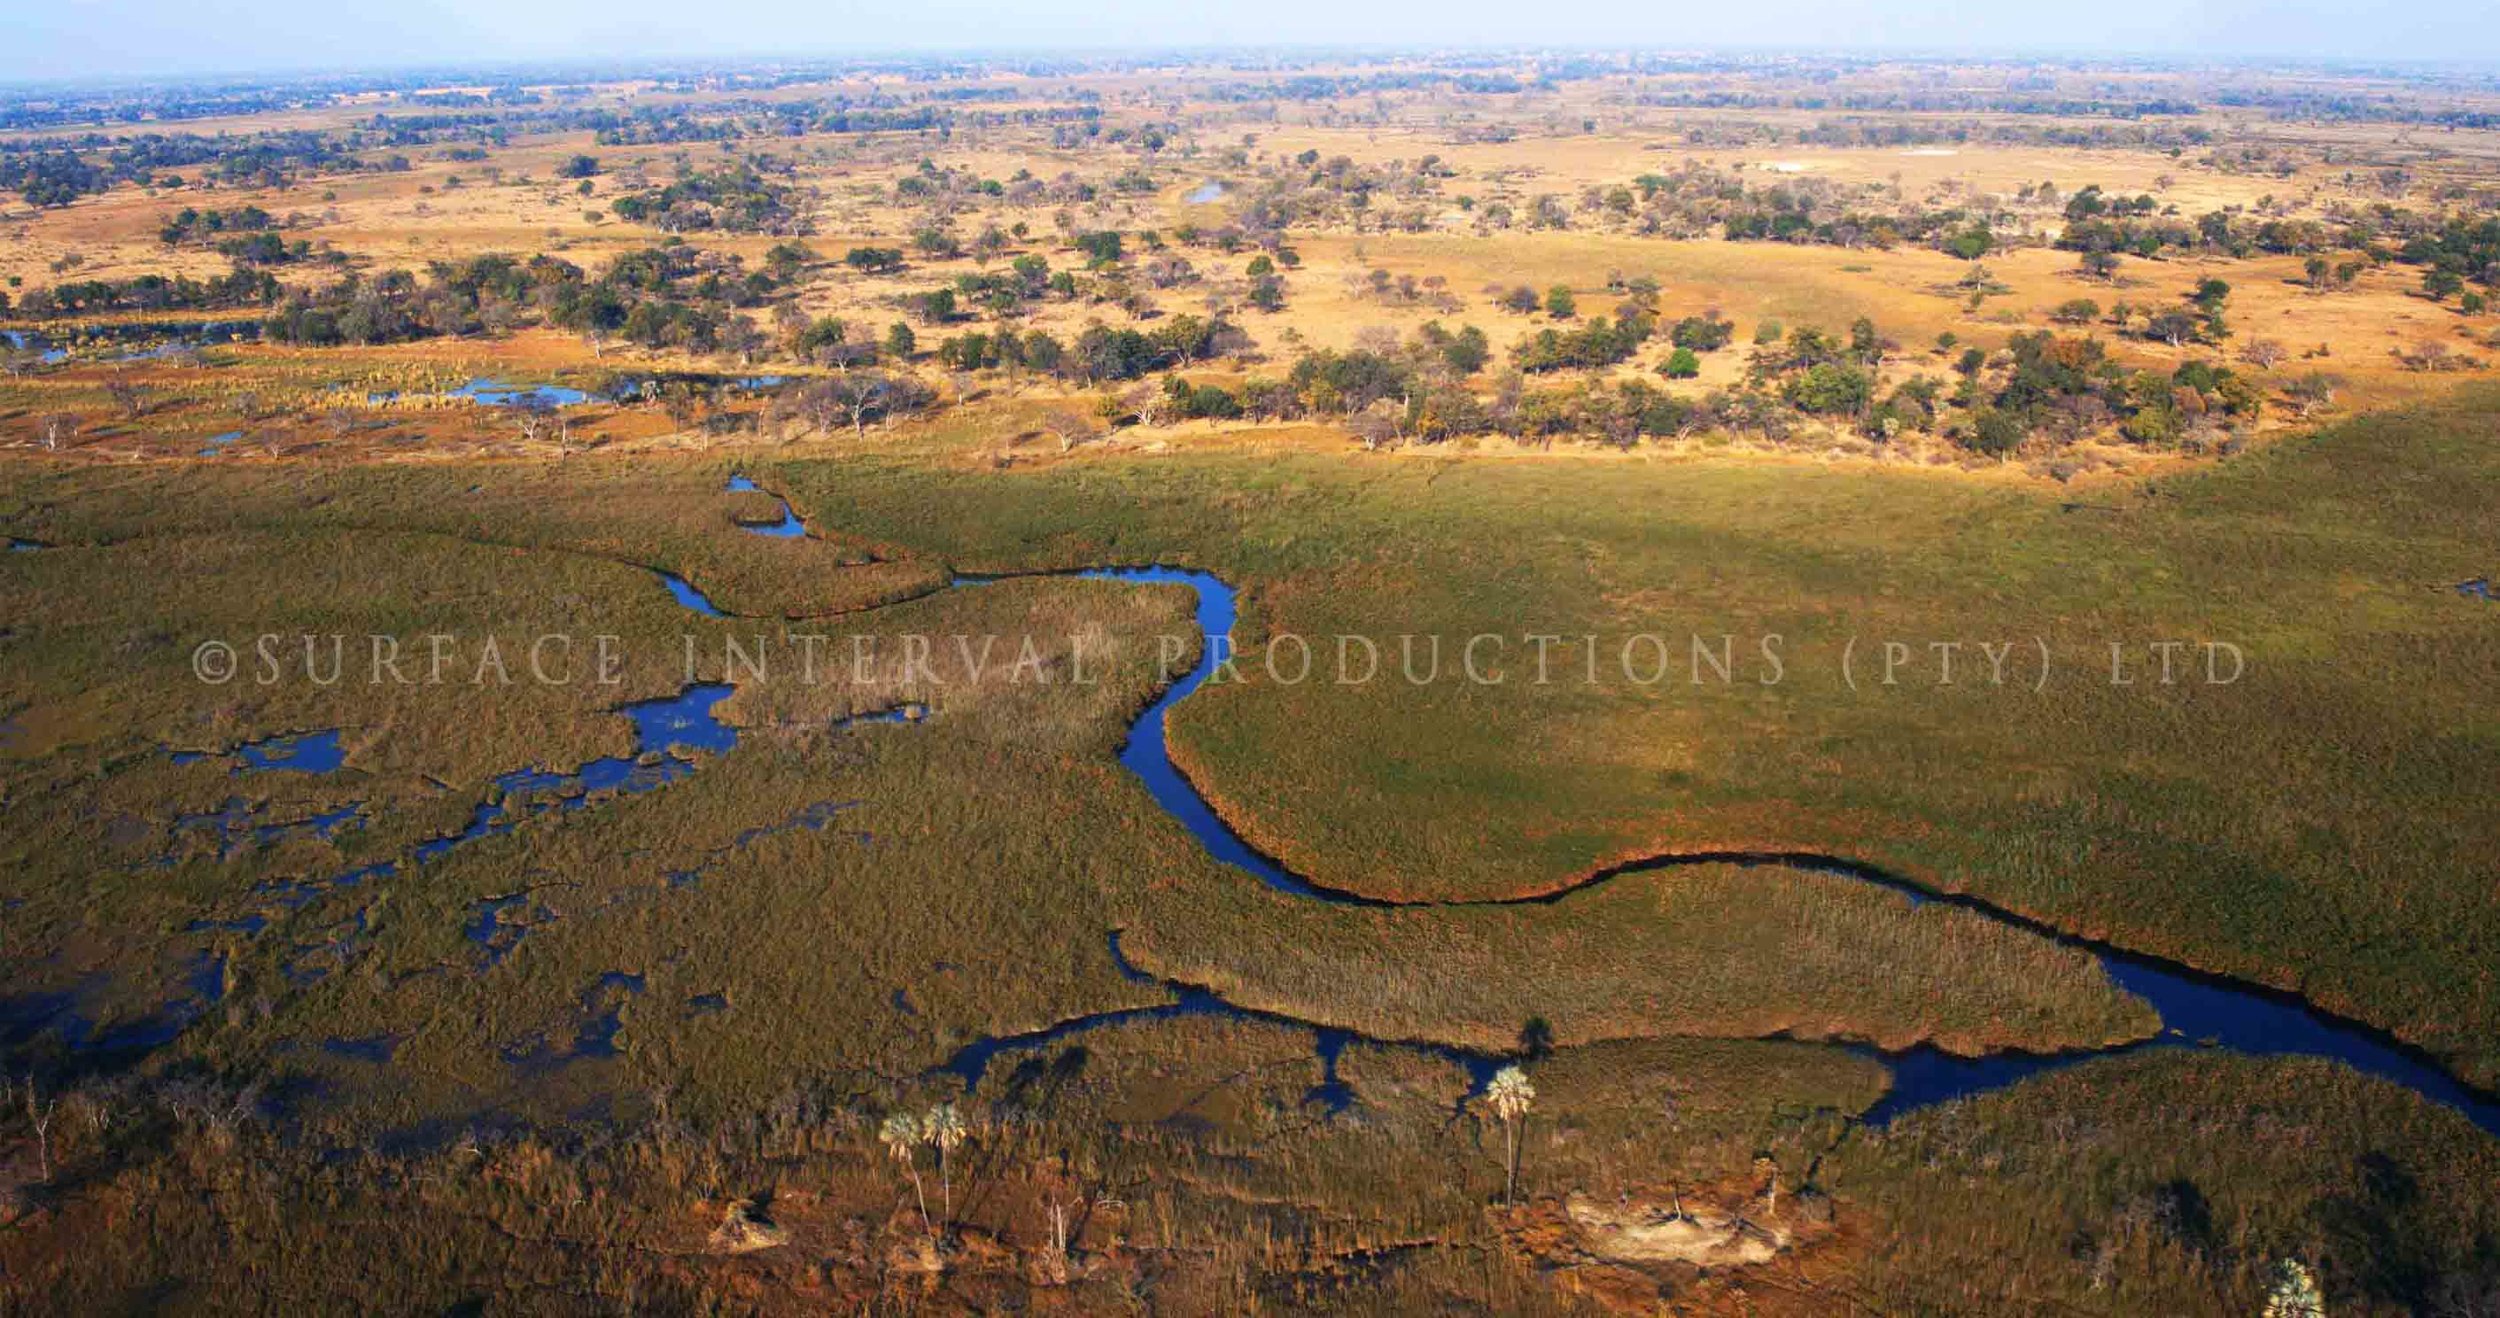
{"x": 1972, "y": 243}
{"x": 1831, "y": 389}
{"x": 1992, "y": 432}
{"x": 1467, "y": 351}
{"x": 1560, "y": 304}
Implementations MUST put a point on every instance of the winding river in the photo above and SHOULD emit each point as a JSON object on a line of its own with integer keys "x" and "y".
{"x": 2197, "y": 1010}
{"x": 675, "y": 735}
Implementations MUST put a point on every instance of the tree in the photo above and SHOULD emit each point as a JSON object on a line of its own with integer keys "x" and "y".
{"x": 861, "y": 395}
{"x": 1831, "y": 389}
{"x": 681, "y": 402}
{"x": 2099, "y": 265}
{"x": 944, "y": 1128}
{"x": 1560, "y": 304}
{"x": 874, "y": 260}
{"x": 1681, "y": 365}
{"x": 130, "y": 398}
{"x": 59, "y": 428}
{"x": 2440, "y": 285}
{"x": 1972, "y": 243}
{"x": 1151, "y": 406}
{"x": 900, "y": 342}
{"x": 534, "y": 415}
{"x": 2172, "y": 327}
{"x": 39, "y": 1117}
{"x": 2310, "y": 393}
{"x": 2294, "y": 1293}
{"x": 901, "y": 1136}
{"x": 2076, "y": 311}
{"x": 2262, "y": 353}
{"x": 1703, "y": 333}
{"x": 1510, "y": 1096}
{"x": 1071, "y": 428}
{"x": 1993, "y": 432}
{"x": 1042, "y": 352}
{"x": 741, "y": 337}
{"x": 1375, "y": 425}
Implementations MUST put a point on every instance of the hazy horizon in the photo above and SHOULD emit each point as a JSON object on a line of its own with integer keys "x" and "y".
{"x": 103, "y": 40}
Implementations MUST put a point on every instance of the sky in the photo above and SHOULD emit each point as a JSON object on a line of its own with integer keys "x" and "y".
{"x": 45, "y": 40}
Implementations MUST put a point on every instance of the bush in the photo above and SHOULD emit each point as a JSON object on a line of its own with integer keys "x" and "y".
{"x": 1702, "y": 333}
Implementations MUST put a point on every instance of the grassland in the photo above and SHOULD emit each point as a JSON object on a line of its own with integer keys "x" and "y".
{"x": 2144, "y": 1185}
{"x": 1027, "y": 841}
{"x": 2323, "y": 807}
{"x": 536, "y": 1070}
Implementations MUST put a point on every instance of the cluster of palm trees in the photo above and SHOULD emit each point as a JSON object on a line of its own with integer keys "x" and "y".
{"x": 941, "y": 1127}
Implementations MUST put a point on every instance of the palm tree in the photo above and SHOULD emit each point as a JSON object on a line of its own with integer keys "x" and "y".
{"x": 1510, "y": 1096}
{"x": 2294, "y": 1293}
{"x": 901, "y": 1136}
{"x": 944, "y": 1127}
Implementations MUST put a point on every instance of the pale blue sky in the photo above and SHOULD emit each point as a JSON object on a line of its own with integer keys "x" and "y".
{"x": 49, "y": 39}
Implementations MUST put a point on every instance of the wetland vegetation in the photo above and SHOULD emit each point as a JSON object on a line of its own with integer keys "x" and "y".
{"x": 1929, "y": 705}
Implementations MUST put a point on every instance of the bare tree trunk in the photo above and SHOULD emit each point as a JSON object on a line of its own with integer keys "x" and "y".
{"x": 40, "y": 1114}
{"x": 1510, "y": 1162}
{"x": 920, "y": 1195}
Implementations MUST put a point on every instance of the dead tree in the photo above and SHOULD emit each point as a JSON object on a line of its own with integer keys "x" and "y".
{"x": 1069, "y": 428}
{"x": 39, "y": 1115}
